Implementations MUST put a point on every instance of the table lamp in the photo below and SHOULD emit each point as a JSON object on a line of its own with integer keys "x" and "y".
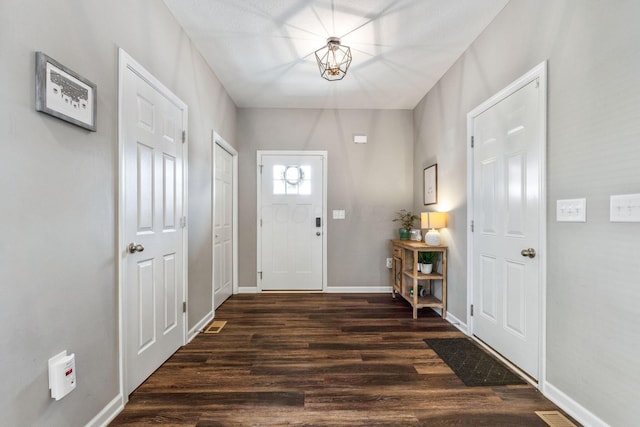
{"x": 433, "y": 221}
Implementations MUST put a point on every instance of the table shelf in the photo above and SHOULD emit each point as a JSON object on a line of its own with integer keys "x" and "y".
{"x": 406, "y": 276}
{"x": 422, "y": 276}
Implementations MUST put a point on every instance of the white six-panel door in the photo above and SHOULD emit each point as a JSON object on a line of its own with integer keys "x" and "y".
{"x": 291, "y": 221}
{"x": 153, "y": 253}
{"x": 222, "y": 225}
{"x": 507, "y": 138}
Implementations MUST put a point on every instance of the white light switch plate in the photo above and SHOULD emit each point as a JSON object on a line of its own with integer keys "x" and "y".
{"x": 571, "y": 210}
{"x": 338, "y": 214}
{"x": 625, "y": 208}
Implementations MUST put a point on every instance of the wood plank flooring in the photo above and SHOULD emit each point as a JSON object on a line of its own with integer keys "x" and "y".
{"x": 322, "y": 360}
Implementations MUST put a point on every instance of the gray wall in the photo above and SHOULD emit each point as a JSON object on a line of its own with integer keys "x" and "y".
{"x": 592, "y": 46}
{"x": 58, "y": 284}
{"x": 370, "y": 181}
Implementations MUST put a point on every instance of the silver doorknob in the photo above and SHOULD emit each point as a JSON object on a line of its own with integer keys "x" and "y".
{"x": 317, "y": 233}
{"x": 133, "y": 248}
{"x": 530, "y": 252}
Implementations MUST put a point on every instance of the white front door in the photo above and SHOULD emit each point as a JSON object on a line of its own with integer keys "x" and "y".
{"x": 508, "y": 156}
{"x": 222, "y": 225}
{"x": 291, "y": 221}
{"x": 152, "y": 245}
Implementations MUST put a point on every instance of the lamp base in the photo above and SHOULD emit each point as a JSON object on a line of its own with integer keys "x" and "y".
{"x": 432, "y": 238}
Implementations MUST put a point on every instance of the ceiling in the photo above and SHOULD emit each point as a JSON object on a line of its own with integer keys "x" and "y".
{"x": 263, "y": 50}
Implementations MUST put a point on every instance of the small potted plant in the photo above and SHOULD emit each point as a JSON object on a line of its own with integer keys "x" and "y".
{"x": 426, "y": 259}
{"x": 406, "y": 219}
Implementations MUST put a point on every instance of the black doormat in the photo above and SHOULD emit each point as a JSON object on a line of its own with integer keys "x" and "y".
{"x": 471, "y": 364}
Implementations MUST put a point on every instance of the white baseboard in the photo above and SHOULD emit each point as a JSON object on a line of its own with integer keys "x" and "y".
{"x": 199, "y": 327}
{"x": 108, "y": 413}
{"x": 359, "y": 289}
{"x": 332, "y": 289}
{"x": 457, "y": 323}
{"x": 571, "y": 407}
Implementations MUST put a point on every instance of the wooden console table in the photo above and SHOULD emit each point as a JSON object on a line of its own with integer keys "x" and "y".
{"x": 407, "y": 279}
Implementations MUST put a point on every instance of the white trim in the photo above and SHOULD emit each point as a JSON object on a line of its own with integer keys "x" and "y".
{"x": 571, "y": 407}
{"x": 126, "y": 62}
{"x": 359, "y": 290}
{"x": 457, "y": 323}
{"x": 538, "y": 72}
{"x": 108, "y": 413}
{"x": 470, "y": 207}
{"x": 330, "y": 290}
{"x": 199, "y": 327}
{"x": 258, "y": 213}
{"x": 216, "y": 139}
{"x": 543, "y": 113}
{"x": 324, "y": 154}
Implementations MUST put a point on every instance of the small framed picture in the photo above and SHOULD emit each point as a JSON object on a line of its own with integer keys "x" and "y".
{"x": 64, "y": 94}
{"x": 430, "y": 182}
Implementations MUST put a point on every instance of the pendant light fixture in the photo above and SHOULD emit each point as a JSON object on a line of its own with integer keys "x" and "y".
{"x": 333, "y": 59}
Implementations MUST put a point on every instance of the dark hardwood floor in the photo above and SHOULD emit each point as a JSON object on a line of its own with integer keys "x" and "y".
{"x": 322, "y": 360}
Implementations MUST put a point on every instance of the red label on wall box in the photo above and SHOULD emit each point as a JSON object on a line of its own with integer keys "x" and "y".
{"x": 69, "y": 372}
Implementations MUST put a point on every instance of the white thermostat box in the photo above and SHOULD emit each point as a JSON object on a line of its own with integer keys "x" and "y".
{"x": 62, "y": 374}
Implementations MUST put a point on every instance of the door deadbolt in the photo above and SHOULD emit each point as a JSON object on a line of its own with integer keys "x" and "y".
{"x": 133, "y": 248}
{"x": 530, "y": 252}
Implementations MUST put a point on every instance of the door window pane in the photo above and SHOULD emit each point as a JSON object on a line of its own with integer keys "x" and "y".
{"x": 292, "y": 180}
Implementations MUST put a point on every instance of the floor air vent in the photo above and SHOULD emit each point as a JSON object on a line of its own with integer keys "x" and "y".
{"x": 215, "y": 327}
{"x": 555, "y": 419}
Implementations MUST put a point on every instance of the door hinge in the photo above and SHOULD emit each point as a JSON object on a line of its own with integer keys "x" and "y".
{"x": 472, "y": 141}
{"x": 183, "y": 222}
{"x": 260, "y": 166}
{"x": 184, "y": 307}
{"x": 184, "y": 136}
{"x": 472, "y": 309}
{"x": 472, "y": 226}
{"x": 260, "y": 273}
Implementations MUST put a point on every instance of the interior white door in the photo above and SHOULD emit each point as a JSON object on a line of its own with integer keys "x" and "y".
{"x": 506, "y": 214}
{"x": 292, "y": 221}
{"x": 223, "y": 225}
{"x": 153, "y": 280}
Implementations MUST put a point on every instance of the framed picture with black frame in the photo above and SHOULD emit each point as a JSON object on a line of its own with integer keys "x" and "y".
{"x": 430, "y": 184}
{"x": 65, "y": 94}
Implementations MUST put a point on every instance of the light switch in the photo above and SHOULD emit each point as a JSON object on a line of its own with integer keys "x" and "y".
{"x": 339, "y": 214}
{"x": 571, "y": 210}
{"x": 625, "y": 208}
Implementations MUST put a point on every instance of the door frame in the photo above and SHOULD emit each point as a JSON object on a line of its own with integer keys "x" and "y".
{"x": 539, "y": 73}
{"x": 259, "y": 154}
{"x": 126, "y": 62}
{"x": 216, "y": 139}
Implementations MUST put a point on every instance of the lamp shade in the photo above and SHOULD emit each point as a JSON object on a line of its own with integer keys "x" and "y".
{"x": 424, "y": 220}
{"x": 433, "y": 220}
{"x": 437, "y": 220}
